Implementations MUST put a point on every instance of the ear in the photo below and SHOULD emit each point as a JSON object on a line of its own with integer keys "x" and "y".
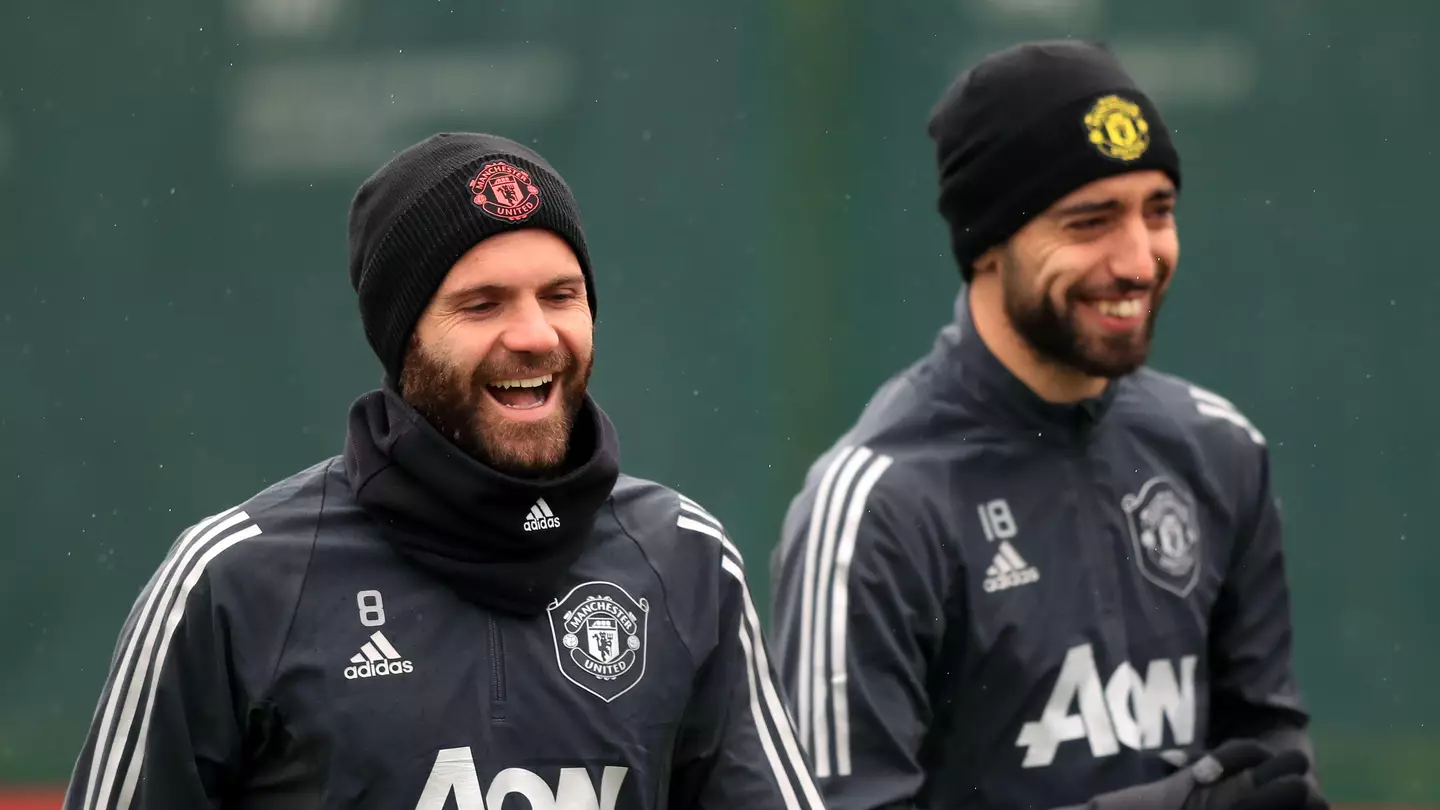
{"x": 989, "y": 261}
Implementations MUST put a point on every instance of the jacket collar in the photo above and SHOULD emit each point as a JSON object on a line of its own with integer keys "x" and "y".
{"x": 500, "y": 541}
{"x": 971, "y": 373}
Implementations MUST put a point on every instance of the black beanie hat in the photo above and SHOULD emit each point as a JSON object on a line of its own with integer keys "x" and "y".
{"x": 1028, "y": 125}
{"x": 418, "y": 214}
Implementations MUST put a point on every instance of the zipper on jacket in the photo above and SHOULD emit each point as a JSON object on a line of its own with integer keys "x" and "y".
{"x": 497, "y": 672}
{"x": 1096, "y": 542}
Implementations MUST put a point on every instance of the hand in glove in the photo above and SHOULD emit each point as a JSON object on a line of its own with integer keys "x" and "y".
{"x": 1243, "y": 775}
{"x": 1238, "y": 775}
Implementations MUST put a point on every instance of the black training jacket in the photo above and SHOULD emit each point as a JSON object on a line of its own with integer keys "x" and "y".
{"x": 986, "y": 600}
{"x": 401, "y": 627}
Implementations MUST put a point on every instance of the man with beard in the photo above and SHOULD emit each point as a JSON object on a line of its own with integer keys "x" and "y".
{"x": 1036, "y": 573}
{"x": 471, "y": 601}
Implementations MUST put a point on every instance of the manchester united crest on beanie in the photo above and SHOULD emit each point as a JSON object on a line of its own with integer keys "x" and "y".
{"x": 1029, "y": 124}
{"x": 419, "y": 213}
{"x": 505, "y": 191}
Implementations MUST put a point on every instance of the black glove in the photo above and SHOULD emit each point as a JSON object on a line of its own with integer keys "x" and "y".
{"x": 1238, "y": 775}
{"x": 1244, "y": 775}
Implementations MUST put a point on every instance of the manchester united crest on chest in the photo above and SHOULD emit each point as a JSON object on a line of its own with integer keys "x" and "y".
{"x": 1165, "y": 530}
{"x": 600, "y": 638}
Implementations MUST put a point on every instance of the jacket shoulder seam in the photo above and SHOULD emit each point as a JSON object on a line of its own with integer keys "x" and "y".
{"x": 304, "y": 579}
{"x": 664, "y": 587}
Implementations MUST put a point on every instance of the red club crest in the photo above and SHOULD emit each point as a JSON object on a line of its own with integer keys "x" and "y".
{"x": 504, "y": 191}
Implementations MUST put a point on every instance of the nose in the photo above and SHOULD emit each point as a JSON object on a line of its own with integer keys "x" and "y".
{"x": 528, "y": 331}
{"x": 1134, "y": 257}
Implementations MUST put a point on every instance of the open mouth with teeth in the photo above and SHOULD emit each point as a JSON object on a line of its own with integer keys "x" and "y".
{"x": 1129, "y": 308}
{"x": 522, "y": 394}
{"x": 1116, "y": 314}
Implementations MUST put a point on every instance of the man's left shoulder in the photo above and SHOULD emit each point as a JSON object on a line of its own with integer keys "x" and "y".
{"x": 667, "y": 525}
{"x": 1167, "y": 403}
{"x": 698, "y": 569}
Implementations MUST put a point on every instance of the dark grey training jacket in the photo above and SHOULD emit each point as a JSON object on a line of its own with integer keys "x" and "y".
{"x": 986, "y": 600}
{"x": 290, "y": 652}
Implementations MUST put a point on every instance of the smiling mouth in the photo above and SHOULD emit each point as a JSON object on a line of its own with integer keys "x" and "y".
{"x": 1128, "y": 308}
{"x": 522, "y": 394}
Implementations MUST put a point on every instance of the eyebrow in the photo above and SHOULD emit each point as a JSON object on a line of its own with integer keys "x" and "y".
{"x": 497, "y": 290}
{"x": 1106, "y": 206}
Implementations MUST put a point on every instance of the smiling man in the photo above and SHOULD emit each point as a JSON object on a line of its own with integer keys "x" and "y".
{"x": 471, "y": 601}
{"x": 1036, "y": 573}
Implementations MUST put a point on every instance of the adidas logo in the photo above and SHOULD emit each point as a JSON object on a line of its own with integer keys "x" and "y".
{"x": 377, "y": 658}
{"x": 541, "y": 517}
{"x": 1009, "y": 570}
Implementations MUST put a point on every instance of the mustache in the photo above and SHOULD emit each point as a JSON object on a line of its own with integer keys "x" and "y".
{"x": 517, "y": 366}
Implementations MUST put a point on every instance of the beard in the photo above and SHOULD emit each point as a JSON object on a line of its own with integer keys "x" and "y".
{"x": 452, "y": 400}
{"x": 1059, "y": 337}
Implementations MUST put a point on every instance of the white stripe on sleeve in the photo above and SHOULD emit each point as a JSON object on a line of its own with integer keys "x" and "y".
{"x": 840, "y": 610}
{"x": 767, "y": 708}
{"x": 696, "y": 509}
{"x": 172, "y": 621}
{"x": 802, "y": 690}
{"x": 703, "y": 528}
{"x": 132, "y": 662}
{"x": 1211, "y": 404}
{"x": 130, "y": 678}
{"x": 819, "y": 660}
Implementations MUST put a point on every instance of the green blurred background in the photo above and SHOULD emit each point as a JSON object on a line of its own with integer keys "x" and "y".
{"x": 177, "y": 330}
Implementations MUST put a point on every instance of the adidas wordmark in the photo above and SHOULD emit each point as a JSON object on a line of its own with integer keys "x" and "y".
{"x": 378, "y": 657}
{"x": 1009, "y": 570}
{"x": 541, "y": 517}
